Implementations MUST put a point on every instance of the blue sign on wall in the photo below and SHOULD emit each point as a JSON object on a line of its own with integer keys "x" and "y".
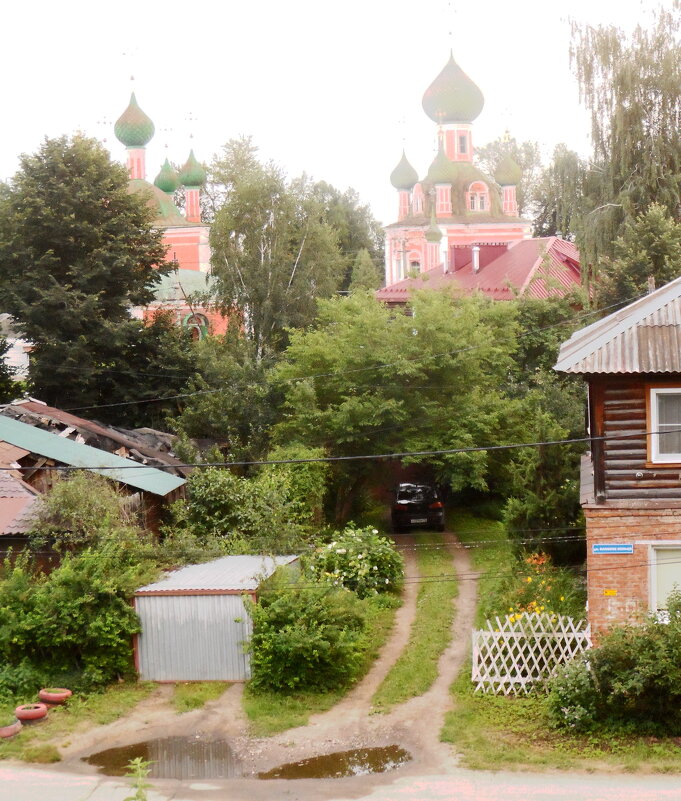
{"x": 612, "y": 547}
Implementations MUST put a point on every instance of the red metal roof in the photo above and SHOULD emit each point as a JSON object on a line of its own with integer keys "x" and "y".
{"x": 539, "y": 267}
{"x": 17, "y": 505}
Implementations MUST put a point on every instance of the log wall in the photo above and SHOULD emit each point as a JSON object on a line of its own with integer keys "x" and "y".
{"x": 620, "y": 463}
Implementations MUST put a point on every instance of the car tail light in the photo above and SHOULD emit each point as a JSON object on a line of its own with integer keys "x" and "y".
{"x": 436, "y": 505}
{"x": 401, "y": 506}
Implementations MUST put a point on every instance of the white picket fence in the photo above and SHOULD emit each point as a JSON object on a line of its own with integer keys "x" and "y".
{"x": 511, "y": 656}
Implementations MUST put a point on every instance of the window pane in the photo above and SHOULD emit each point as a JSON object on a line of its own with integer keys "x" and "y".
{"x": 668, "y": 574}
{"x": 669, "y": 409}
{"x": 669, "y": 442}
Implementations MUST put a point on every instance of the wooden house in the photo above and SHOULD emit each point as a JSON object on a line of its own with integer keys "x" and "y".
{"x": 631, "y": 479}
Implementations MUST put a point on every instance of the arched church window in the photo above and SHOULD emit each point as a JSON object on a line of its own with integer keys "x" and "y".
{"x": 478, "y": 196}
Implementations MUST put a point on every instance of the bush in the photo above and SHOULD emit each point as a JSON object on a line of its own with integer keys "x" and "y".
{"x": 632, "y": 678}
{"x": 305, "y": 637}
{"x": 253, "y": 515}
{"x": 359, "y": 560}
{"x": 77, "y": 619}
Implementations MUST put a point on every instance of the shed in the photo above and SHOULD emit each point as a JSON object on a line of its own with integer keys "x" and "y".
{"x": 195, "y": 622}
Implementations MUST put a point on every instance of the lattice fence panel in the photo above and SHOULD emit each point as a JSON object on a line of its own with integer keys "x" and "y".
{"x": 511, "y": 656}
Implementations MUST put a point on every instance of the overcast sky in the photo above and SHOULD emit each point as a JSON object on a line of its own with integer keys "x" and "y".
{"x": 330, "y": 89}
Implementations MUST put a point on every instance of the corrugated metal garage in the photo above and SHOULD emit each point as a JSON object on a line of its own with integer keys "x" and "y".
{"x": 195, "y": 623}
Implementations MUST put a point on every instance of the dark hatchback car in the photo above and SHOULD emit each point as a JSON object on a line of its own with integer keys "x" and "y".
{"x": 417, "y": 506}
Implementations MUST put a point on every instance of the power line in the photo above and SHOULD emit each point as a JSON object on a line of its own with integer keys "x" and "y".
{"x": 381, "y": 366}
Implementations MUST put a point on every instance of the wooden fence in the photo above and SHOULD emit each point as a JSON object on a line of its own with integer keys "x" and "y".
{"x": 512, "y": 655}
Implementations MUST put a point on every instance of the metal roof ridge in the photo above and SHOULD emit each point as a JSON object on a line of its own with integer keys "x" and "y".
{"x": 585, "y": 341}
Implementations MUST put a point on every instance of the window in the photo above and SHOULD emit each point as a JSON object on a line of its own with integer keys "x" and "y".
{"x": 664, "y": 421}
{"x": 666, "y": 575}
{"x": 463, "y": 143}
{"x": 478, "y": 196}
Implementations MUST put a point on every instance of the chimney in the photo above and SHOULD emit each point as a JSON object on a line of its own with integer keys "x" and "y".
{"x": 476, "y": 258}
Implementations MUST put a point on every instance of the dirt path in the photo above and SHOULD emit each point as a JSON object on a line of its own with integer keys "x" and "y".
{"x": 415, "y": 725}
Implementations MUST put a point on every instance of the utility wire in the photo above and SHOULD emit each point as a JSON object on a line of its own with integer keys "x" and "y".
{"x": 381, "y": 366}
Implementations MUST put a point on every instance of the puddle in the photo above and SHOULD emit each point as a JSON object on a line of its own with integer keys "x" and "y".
{"x": 358, "y": 762}
{"x": 194, "y": 757}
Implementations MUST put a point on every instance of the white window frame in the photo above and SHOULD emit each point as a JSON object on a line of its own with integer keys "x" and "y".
{"x": 653, "y": 550}
{"x": 653, "y": 426}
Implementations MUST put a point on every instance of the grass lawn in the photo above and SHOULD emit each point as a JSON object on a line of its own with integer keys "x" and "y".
{"x": 95, "y": 709}
{"x": 495, "y": 732}
{"x": 194, "y": 694}
{"x": 271, "y": 712}
{"x": 416, "y": 668}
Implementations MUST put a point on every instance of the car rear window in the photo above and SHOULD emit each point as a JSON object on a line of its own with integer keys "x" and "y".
{"x": 414, "y": 493}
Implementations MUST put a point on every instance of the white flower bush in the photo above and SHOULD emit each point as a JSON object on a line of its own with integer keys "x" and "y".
{"x": 360, "y": 560}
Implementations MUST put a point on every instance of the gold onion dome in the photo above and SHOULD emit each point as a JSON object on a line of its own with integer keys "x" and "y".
{"x": 134, "y": 128}
{"x": 508, "y": 172}
{"x": 404, "y": 176}
{"x": 452, "y": 96}
{"x": 167, "y": 179}
{"x": 192, "y": 174}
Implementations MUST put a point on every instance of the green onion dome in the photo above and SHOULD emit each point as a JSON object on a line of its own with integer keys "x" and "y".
{"x": 167, "y": 179}
{"x": 508, "y": 172}
{"x": 441, "y": 169}
{"x": 433, "y": 232}
{"x": 192, "y": 174}
{"x": 452, "y": 96}
{"x": 133, "y": 128}
{"x": 404, "y": 176}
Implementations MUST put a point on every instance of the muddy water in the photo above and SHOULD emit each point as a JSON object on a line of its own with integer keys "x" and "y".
{"x": 358, "y": 762}
{"x": 194, "y": 757}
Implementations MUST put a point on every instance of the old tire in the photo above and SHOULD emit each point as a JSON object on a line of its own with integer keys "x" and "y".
{"x": 54, "y": 695}
{"x": 11, "y": 729}
{"x": 30, "y": 711}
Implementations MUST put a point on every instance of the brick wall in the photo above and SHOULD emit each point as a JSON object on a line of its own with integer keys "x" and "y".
{"x": 618, "y": 584}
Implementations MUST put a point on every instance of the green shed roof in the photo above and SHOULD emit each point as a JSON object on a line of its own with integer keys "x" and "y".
{"x": 74, "y": 454}
{"x": 167, "y": 215}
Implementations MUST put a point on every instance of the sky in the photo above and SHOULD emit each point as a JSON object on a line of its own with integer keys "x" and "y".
{"x": 330, "y": 89}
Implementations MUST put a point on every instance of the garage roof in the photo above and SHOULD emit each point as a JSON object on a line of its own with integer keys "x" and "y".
{"x": 229, "y": 574}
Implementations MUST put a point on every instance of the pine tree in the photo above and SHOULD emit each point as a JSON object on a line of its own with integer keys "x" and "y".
{"x": 365, "y": 274}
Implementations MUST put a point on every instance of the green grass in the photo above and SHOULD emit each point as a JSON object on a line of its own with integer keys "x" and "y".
{"x": 271, "y": 712}
{"x": 416, "y": 668}
{"x": 33, "y": 743}
{"x": 497, "y": 733}
{"x": 194, "y": 694}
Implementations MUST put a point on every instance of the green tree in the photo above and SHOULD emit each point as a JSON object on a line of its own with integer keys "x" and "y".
{"x": 365, "y": 274}
{"x": 354, "y": 225}
{"x": 557, "y": 195}
{"x": 632, "y": 88}
{"x": 368, "y": 380}
{"x": 77, "y": 251}
{"x": 527, "y": 157}
{"x": 649, "y": 248}
{"x": 236, "y": 405}
{"x": 273, "y": 254}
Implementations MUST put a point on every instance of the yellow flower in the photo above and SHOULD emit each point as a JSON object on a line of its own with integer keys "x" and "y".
{"x": 510, "y": 608}
{"x": 562, "y": 597}
{"x": 529, "y": 579}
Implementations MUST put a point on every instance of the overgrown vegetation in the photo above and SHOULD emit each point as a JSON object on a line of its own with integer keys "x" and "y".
{"x": 270, "y": 712}
{"x": 631, "y": 680}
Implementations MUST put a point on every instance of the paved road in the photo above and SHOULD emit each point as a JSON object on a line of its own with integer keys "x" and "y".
{"x": 20, "y": 783}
